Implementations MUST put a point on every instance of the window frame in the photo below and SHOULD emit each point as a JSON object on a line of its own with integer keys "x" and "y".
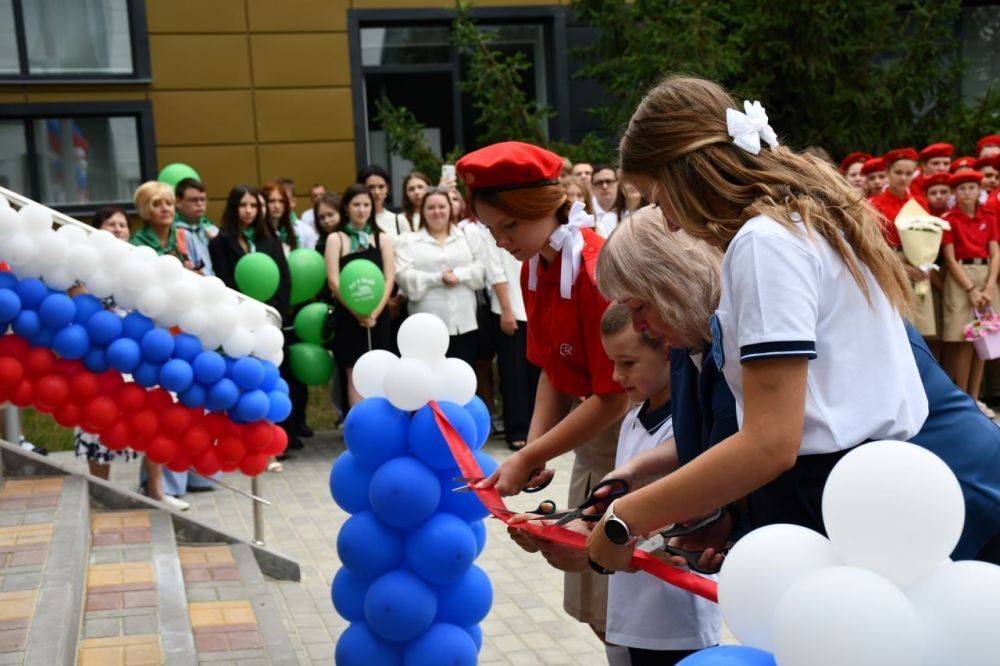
{"x": 552, "y": 17}
{"x": 142, "y": 111}
{"x": 138, "y": 41}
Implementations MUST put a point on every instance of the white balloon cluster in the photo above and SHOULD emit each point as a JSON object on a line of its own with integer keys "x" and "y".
{"x": 157, "y": 286}
{"x": 881, "y": 590}
{"x": 422, "y": 374}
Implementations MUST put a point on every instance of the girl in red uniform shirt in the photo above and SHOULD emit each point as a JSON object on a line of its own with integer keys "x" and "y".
{"x": 874, "y": 173}
{"x": 516, "y": 194}
{"x": 851, "y": 166}
{"x": 972, "y": 257}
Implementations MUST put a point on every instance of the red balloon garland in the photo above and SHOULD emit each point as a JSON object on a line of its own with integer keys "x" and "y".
{"x": 126, "y": 415}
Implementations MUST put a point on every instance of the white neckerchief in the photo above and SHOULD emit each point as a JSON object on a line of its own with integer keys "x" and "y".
{"x": 567, "y": 238}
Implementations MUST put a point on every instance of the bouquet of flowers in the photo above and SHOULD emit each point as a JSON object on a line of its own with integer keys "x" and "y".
{"x": 920, "y": 232}
{"x": 984, "y": 334}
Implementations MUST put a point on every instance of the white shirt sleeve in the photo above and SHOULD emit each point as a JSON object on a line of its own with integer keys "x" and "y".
{"x": 473, "y": 274}
{"x": 412, "y": 281}
{"x": 775, "y": 295}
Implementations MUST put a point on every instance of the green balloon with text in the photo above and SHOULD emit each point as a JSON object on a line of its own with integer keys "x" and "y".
{"x": 308, "y": 272}
{"x": 361, "y": 286}
{"x": 257, "y": 276}
{"x": 311, "y": 364}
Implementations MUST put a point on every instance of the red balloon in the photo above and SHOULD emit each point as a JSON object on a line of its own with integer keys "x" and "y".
{"x": 84, "y": 387}
{"x": 159, "y": 399}
{"x": 258, "y": 436}
{"x": 228, "y": 467}
{"x": 144, "y": 425}
{"x": 11, "y": 373}
{"x": 230, "y": 449}
{"x": 39, "y": 362}
{"x": 195, "y": 441}
{"x": 279, "y": 443}
{"x": 132, "y": 398}
{"x": 161, "y": 450}
{"x": 216, "y": 423}
{"x": 175, "y": 420}
{"x": 116, "y": 437}
{"x": 68, "y": 368}
{"x": 51, "y": 392}
{"x": 100, "y": 414}
{"x": 23, "y": 394}
{"x": 207, "y": 463}
{"x": 111, "y": 383}
{"x": 14, "y": 346}
{"x": 67, "y": 415}
{"x": 179, "y": 463}
{"x": 253, "y": 464}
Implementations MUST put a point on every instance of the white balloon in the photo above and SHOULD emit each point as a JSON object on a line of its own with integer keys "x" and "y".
{"x": 959, "y": 606}
{"x": 114, "y": 255}
{"x": 194, "y": 320}
{"x": 213, "y": 291}
{"x": 83, "y": 259}
{"x": 166, "y": 269}
{"x": 101, "y": 284}
{"x": 136, "y": 274}
{"x": 410, "y": 385}
{"x": 894, "y": 508}
{"x": 846, "y": 615}
{"x": 251, "y": 314}
{"x": 370, "y": 372}
{"x": 759, "y": 570}
{"x": 9, "y": 221}
{"x": 35, "y": 218}
{"x": 223, "y": 319}
{"x": 144, "y": 253}
{"x": 152, "y": 301}
{"x": 75, "y": 235}
{"x": 52, "y": 250}
{"x": 238, "y": 343}
{"x": 275, "y": 358}
{"x": 58, "y": 277}
{"x": 455, "y": 381}
{"x": 423, "y": 336}
{"x": 210, "y": 340}
{"x": 97, "y": 239}
{"x": 268, "y": 341}
{"x": 21, "y": 251}
{"x": 4, "y": 204}
{"x": 182, "y": 291}
{"x": 230, "y": 298}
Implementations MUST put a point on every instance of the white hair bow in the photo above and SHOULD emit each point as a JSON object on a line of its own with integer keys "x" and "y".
{"x": 569, "y": 239}
{"x": 747, "y": 129}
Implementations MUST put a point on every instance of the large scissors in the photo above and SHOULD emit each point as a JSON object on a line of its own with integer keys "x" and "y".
{"x": 470, "y": 480}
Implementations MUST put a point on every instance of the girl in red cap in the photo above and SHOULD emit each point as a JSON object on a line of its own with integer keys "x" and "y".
{"x": 934, "y": 159}
{"x": 874, "y": 173}
{"x": 851, "y": 167}
{"x": 516, "y": 193}
{"x": 988, "y": 145}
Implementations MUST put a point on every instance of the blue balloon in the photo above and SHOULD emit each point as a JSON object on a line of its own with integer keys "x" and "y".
{"x": 442, "y": 645}
{"x": 186, "y": 347}
{"x": 7, "y": 280}
{"x": 248, "y": 373}
{"x": 253, "y": 406}
{"x": 71, "y": 342}
{"x": 281, "y": 407}
{"x": 271, "y": 376}
{"x": 193, "y": 396}
{"x": 27, "y": 323}
{"x": 426, "y": 441}
{"x": 360, "y": 646}
{"x": 281, "y": 385}
{"x": 96, "y": 359}
{"x": 222, "y": 395}
{"x": 369, "y": 547}
{"x": 147, "y": 374}
{"x": 157, "y": 345}
{"x": 124, "y": 355}
{"x": 465, "y": 505}
{"x": 87, "y": 306}
{"x": 479, "y": 530}
{"x": 403, "y": 492}
{"x": 348, "y": 594}
{"x": 476, "y": 633}
{"x": 57, "y": 311}
{"x": 104, "y": 327}
{"x": 375, "y": 431}
{"x": 729, "y": 655}
{"x": 32, "y": 292}
{"x": 42, "y": 338}
{"x": 481, "y": 415}
{"x": 208, "y": 367}
{"x": 176, "y": 375}
{"x": 466, "y": 601}
{"x": 349, "y": 483}
{"x": 441, "y": 550}
{"x": 399, "y": 606}
{"x": 10, "y": 304}
{"x": 135, "y": 325}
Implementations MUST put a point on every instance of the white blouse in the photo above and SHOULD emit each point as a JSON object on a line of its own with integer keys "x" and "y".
{"x": 420, "y": 263}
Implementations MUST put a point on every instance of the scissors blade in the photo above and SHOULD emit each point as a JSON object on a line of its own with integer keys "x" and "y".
{"x": 569, "y": 517}
{"x": 652, "y": 544}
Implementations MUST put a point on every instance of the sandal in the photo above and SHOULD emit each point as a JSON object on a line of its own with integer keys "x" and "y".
{"x": 516, "y": 446}
{"x": 275, "y": 466}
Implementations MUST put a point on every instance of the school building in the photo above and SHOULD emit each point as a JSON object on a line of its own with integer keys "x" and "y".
{"x": 97, "y": 95}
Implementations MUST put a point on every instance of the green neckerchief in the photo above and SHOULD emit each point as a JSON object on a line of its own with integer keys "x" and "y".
{"x": 293, "y": 217}
{"x": 250, "y": 235}
{"x": 359, "y": 237}
{"x": 146, "y": 236}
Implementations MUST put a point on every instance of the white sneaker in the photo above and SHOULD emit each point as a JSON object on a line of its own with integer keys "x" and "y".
{"x": 174, "y": 503}
{"x": 984, "y": 408}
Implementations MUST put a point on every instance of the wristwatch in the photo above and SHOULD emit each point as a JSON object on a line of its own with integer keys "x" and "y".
{"x": 615, "y": 528}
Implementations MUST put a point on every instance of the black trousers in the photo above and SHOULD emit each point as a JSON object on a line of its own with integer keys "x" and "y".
{"x": 464, "y": 346}
{"x": 796, "y": 496}
{"x": 642, "y": 657}
{"x": 518, "y": 379}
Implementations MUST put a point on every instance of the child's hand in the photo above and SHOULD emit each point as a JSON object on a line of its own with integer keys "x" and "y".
{"x": 516, "y": 473}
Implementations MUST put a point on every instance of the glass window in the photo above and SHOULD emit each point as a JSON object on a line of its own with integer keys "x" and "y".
{"x": 8, "y": 39}
{"x": 83, "y": 160}
{"x": 13, "y": 156}
{"x": 405, "y": 45}
{"x": 980, "y": 46}
{"x": 77, "y": 36}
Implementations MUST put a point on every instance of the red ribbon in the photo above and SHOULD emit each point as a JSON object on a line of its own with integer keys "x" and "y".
{"x": 491, "y": 499}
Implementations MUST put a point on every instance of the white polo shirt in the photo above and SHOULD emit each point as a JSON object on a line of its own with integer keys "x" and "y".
{"x": 786, "y": 293}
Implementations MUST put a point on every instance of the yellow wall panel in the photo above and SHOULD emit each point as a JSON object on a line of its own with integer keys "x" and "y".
{"x": 220, "y": 167}
{"x": 12, "y": 97}
{"x": 297, "y": 15}
{"x": 203, "y": 117}
{"x": 199, "y": 61}
{"x": 196, "y": 16}
{"x": 215, "y": 208}
{"x": 329, "y": 163}
{"x": 317, "y": 59}
{"x": 304, "y": 114}
{"x": 36, "y": 95}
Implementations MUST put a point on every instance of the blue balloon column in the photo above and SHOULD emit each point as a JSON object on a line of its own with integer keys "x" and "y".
{"x": 409, "y": 585}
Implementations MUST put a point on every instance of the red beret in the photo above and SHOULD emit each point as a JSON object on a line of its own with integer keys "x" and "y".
{"x": 873, "y": 165}
{"x": 927, "y": 182}
{"x": 962, "y": 163}
{"x": 964, "y": 176}
{"x": 937, "y": 150}
{"x": 846, "y": 163}
{"x": 510, "y": 165}
{"x": 990, "y": 161}
{"x": 899, "y": 154}
{"x": 988, "y": 140}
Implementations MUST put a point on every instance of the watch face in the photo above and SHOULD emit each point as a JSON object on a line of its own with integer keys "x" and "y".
{"x": 616, "y": 531}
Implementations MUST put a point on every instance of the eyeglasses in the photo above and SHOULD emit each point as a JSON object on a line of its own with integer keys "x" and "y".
{"x": 605, "y": 183}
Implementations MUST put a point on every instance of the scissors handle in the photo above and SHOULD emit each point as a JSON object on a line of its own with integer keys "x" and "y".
{"x": 618, "y": 487}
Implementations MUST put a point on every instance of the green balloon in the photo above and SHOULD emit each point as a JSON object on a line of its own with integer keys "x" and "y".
{"x": 311, "y": 364}
{"x": 175, "y": 173}
{"x": 308, "y": 272}
{"x": 361, "y": 286}
{"x": 309, "y": 323}
{"x": 257, "y": 276}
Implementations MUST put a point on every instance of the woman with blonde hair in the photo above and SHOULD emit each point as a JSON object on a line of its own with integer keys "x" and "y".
{"x": 808, "y": 332}
{"x": 156, "y": 204}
